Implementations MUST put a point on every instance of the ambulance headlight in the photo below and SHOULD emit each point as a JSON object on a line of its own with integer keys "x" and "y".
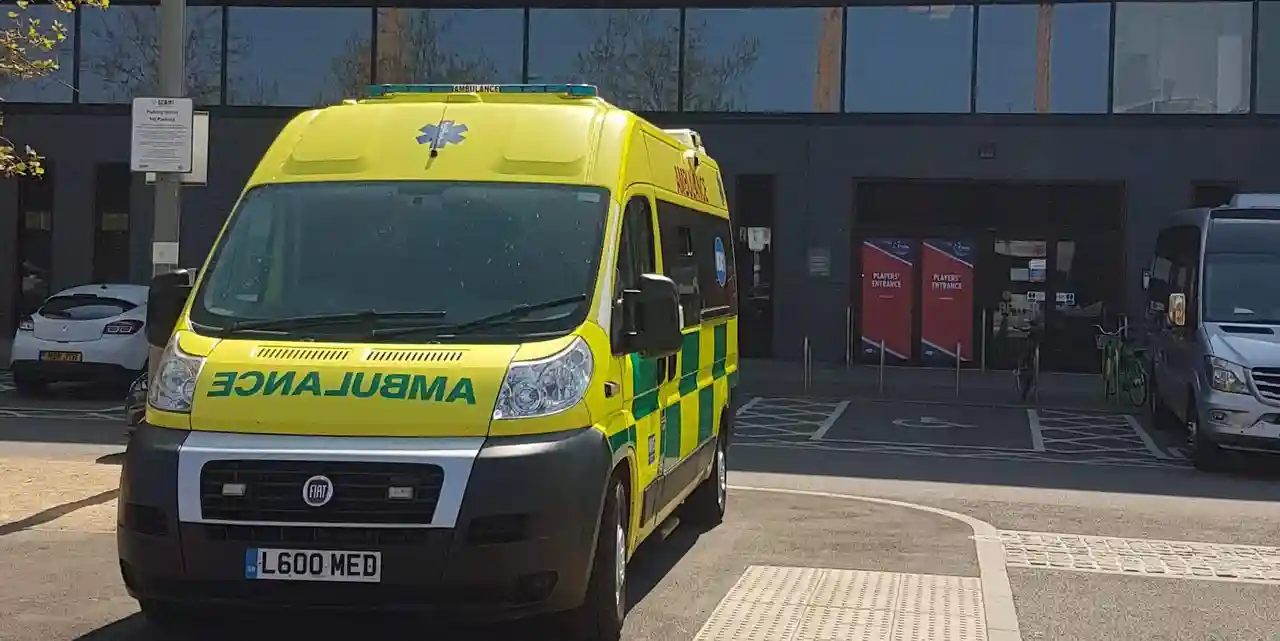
{"x": 175, "y": 385}
{"x": 547, "y": 386}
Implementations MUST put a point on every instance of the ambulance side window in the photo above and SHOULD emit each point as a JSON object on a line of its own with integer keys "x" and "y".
{"x": 635, "y": 247}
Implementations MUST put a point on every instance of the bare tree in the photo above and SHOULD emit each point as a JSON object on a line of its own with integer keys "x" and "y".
{"x": 126, "y": 59}
{"x": 635, "y": 60}
{"x": 28, "y": 51}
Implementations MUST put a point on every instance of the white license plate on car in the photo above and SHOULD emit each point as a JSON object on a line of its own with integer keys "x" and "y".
{"x": 313, "y": 565}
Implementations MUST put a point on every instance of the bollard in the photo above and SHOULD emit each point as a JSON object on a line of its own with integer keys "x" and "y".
{"x": 958, "y": 360}
{"x": 984, "y": 340}
{"x": 848, "y": 337}
{"x": 808, "y": 365}
{"x": 1036, "y": 364}
{"x": 880, "y": 376}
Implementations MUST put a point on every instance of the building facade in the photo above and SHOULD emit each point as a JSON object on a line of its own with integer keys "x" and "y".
{"x": 905, "y": 178}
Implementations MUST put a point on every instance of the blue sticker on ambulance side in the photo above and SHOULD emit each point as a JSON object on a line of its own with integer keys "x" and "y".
{"x": 442, "y": 134}
{"x": 722, "y": 263}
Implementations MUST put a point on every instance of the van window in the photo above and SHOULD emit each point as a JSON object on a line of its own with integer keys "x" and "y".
{"x": 467, "y": 249}
{"x": 689, "y": 257}
{"x": 1242, "y": 272}
{"x": 635, "y": 247}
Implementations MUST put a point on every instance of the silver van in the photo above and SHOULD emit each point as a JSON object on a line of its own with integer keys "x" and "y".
{"x": 1213, "y": 314}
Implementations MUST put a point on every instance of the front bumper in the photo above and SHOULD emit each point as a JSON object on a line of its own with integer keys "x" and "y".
{"x": 521, "y": 543}
{"x": 1240, "y": 422}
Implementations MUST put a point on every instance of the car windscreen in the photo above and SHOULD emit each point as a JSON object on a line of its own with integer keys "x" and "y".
{"x": 84, "y": 307}
{"x": 459, "y": 250}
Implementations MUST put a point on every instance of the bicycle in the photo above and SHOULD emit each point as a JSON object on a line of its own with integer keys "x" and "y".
{"x": 1123, "y": 372}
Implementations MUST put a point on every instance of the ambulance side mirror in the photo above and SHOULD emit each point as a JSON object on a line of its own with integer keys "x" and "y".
{"x": 165, "y": 301}
{"x": 651, "y": 317}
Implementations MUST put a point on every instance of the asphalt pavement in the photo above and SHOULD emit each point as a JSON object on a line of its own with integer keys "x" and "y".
{"x": 850, "y": 519}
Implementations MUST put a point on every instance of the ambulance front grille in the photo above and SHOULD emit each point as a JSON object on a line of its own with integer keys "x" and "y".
{"x": 302, "y": 354}
{"x": 414, "y": 356}
{"x": 260, "y": 491}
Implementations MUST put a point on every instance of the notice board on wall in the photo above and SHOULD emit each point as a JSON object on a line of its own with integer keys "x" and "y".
{"x": 946, "y": 301}
{"x": 887, "y": 276}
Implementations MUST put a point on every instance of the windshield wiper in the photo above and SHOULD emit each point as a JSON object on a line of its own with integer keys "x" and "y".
{"x": 500, "y": 318}
{"x": 298, "y": 322}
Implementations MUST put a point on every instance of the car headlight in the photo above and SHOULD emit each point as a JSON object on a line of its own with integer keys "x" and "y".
{"x": 547, "y": 386}
{"x": 174, "y": 387}
{"x": 1226, "y": 376}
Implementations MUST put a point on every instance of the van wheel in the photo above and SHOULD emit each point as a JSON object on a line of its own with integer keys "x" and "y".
{"x": 169, "y": 616}
{"x": 1162, "y": 418}
{"x": 600, "y": 616}
{"x": 705, "y": 507}
{"x": 1206, "y": 456}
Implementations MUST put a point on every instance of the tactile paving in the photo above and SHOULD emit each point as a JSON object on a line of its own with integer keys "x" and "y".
{"x": 1142, "y": 557}
{"x": 771, "y": 603}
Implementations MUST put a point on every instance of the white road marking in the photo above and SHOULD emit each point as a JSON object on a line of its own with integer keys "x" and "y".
{"x": 1142, "y": 557}
{"x": 1037, "y": 439}
{"x": 831, "y": 419}
{"x": 746, "y": 407}
{"x": 1146, "y": 438}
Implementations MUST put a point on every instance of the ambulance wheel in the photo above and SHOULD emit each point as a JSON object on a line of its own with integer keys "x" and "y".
{"x": 600, "y": 616}
{"x": 706, "y": 506}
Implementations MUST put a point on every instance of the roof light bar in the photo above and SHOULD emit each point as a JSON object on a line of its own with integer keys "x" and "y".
{"x": 572, "y": 91}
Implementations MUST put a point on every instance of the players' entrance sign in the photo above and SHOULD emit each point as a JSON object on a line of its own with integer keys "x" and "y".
{"x": 163, "y": 135}
{"x": 313, "y": 565}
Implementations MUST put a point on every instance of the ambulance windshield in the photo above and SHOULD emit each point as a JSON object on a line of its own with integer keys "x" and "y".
{"x": 399, "y": 252}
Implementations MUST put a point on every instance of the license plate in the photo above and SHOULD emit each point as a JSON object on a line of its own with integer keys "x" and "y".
{"x": 313, "y": 565}
{"x": 62, "y": 357}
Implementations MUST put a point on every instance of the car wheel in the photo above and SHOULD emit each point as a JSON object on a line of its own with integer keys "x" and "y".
{"x": 600, "y": 616}
{"x": 1205, "y": 454}
{"x": 705, "y": 507}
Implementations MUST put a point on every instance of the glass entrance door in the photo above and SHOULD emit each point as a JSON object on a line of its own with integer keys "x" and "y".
{"x": 1017, "y": 278}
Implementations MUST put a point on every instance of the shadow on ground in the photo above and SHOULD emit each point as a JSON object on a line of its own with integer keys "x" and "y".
{"x": 652, "y": 563}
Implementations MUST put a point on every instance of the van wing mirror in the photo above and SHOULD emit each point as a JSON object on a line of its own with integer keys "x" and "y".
{"x": 165, "y": 301}
{"x": 1177, "y": 310}
{"x": 651, "y": 315}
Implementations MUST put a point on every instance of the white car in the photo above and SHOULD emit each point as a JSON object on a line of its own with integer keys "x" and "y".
{"x": 91, "y": 333}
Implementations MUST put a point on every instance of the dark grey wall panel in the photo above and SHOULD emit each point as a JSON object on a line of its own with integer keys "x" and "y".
{"x": 815, "y": 165}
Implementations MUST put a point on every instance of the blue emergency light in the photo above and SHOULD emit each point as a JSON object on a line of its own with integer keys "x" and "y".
{"x": 572, "y": 91}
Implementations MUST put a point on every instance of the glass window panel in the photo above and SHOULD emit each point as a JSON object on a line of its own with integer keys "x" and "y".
{"x": 1269, "y": 57}
{"x": 631, "y": 54}
{"x": 1190, "y": 57}
{"x": 298, "y": 57}
{"x": 120, "y": 49}
{"x": 909, "y": 59}
{"x": 1050, "y": 58}
{"x": 761, "y": 60}
{"x": 54, "y": 84}
{"x": 452, "y": 46}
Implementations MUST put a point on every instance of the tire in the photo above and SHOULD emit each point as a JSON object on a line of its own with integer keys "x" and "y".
{"x": 705, "y": 507}
{"x": 1206, "y": 456}
{"x": 600, "y": 616}
{"x": 1162, "y": 418}
{"x": 28, "y": 386}
{"x": 1138, "y": 391}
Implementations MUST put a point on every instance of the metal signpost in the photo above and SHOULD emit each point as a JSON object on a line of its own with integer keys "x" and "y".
{"x": 162, "y": 141}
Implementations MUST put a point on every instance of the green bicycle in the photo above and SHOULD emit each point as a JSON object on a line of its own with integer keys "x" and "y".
{"x": 1123, "y": 372}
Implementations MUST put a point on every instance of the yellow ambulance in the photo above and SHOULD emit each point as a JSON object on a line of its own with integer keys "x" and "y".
{"x": 459, "y": 349}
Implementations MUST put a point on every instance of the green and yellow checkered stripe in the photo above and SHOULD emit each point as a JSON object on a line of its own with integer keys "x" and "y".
{"x": 708, "y": 369}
